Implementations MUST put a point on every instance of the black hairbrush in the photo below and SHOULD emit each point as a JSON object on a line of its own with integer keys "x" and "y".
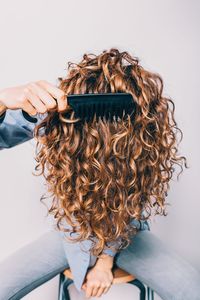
{"x": 105, "y": 105}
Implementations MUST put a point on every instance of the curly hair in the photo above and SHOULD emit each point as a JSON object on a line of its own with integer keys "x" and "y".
{"x": 105, "y": 173}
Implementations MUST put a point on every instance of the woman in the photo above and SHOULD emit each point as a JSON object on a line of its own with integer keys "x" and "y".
{"x": 99, "y": 174}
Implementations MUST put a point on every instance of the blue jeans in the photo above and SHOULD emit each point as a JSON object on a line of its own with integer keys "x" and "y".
{"x": 147, "y": 257}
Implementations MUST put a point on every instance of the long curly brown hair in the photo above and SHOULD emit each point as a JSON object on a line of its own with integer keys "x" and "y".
{"x": 105, "y": 173}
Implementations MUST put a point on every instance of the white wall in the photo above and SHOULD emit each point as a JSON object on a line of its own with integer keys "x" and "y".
{"x": 39, "y": 37}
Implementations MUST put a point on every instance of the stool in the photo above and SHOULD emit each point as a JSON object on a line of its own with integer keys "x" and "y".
{"x": 119, "y": 276}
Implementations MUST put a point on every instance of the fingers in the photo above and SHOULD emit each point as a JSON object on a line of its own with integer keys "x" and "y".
{"x": 29, "y": 108}
{"x": 35, "y": 97}
{"x": 89, "y": 290}
{"x": 103, "y": 290}
{"x": 97, "y": 282}
{"x": 43, "y": 96}
{"x": 56, "y": 93}
{"x": 35, "y": 101}
{"x": 96, "y": 290}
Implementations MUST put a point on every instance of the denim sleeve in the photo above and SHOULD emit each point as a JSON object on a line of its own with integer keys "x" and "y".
{"x": 144, "y": 224}
{"x": 111, "y": 249}
{"x": 16, "y": 128}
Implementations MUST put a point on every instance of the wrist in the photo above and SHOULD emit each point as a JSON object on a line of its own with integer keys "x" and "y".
{"x": 105, "y": 261}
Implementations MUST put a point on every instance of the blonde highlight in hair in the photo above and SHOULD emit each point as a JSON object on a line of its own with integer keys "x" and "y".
{"x": 105, "y": 173}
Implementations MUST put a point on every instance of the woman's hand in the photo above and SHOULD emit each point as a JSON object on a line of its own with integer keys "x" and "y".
{"x": 34, "y": 97}
{"x": 99, "y": 278}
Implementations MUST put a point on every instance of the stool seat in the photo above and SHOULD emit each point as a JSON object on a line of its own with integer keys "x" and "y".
{"x": 119, "y": 275}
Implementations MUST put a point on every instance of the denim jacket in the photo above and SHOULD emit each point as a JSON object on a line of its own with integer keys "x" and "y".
{"x": 15, "y": 128}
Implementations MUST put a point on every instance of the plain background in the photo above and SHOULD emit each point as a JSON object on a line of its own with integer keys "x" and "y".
{"x": 38, "y": 38}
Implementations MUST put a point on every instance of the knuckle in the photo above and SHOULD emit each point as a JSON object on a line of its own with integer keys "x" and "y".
{"x": 89, "y": 277}
{"x": 61, "y": 94}
{"x": 41, "y": 82}
{"x": 26, "y": 90}
{"x": 90, "y": 284}
{"x": 31, "y": 84}
{"x": 95, "y": 284}
{"x": 107, "y": 284}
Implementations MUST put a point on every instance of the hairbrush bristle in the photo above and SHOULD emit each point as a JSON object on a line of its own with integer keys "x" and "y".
{"x": 108, "y": 105}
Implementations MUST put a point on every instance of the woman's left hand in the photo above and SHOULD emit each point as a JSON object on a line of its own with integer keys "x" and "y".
{"x": 98, "y": 279}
